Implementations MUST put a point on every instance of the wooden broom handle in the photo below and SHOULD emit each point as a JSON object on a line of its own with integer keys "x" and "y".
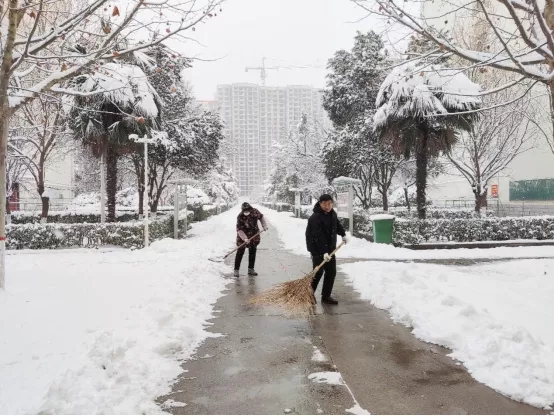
{"x": 242, "y": 245}
{"x": 331, "y": 255}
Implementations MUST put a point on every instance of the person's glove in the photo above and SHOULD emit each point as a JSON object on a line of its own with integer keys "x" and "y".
{"x": 265, "y": 229}
{"x": 326, "y": 257}
{"x": 346, "y": 239}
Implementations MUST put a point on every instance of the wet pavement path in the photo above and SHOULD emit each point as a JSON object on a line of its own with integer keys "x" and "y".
{"x": 262, "y": 363}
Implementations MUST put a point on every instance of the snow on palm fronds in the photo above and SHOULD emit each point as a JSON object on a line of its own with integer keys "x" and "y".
{"x": 124, "y": 85}
{"x": 414, "y": 90}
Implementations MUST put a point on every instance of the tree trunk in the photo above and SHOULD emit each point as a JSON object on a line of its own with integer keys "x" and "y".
{"x": 480, "y": 202}
{"x": 154, "y": 205}
{"x": 8, "y": 209}
{"x": 45, "y": 206}
{"x": 385, "y": 200}
{"x": 8, "y": 46}
{"x": 45, "y": 200}
{"x": 111, "y": 181}
{"x": 422, "y": 159}
{"x": 4, "y": 122}
{"x": 407, "y": 196}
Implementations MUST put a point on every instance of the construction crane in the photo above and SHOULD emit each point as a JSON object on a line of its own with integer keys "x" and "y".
{"x": 263, "y": 68}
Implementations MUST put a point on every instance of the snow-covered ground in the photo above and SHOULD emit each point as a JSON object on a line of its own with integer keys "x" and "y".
{"x": 105, "y": 331}
{"x": 291, "y": 232}
{"x": 496, "y": 317}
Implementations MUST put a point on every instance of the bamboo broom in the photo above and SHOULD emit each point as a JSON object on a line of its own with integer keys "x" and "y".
{"x": 295, "y": 296}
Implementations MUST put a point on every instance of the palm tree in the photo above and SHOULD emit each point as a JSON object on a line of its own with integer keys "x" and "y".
{"x": 116, "y": 101}
{"x": 421, "y": 109}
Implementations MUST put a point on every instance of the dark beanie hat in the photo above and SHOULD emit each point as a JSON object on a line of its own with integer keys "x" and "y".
{"x": 325, "y": 197}
{"x": 246, "y": 206}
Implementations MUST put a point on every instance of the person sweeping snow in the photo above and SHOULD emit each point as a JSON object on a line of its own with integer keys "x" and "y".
{"x": 321, "y": 241}
{"x": 249, "y": 233}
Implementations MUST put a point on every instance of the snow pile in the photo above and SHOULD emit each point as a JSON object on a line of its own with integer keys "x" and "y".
{"x": 104, "y": 331}
{"x": 497, "y": 318}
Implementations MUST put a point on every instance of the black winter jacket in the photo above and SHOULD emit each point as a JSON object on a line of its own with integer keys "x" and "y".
{"x": 322, "y": 230}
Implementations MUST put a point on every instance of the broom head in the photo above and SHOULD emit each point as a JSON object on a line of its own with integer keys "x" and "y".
{"x": 295, "y": 296}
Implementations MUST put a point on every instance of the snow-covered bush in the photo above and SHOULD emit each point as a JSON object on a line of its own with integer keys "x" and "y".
{"x": 129, "y": 234}
{"x": 197, "y": 197}
{"x": 278, "y": 206}
{"x": 85, "y": 200}
{"x": 69, "y": 217}
{"x": 221, "y": 184}
{"x": 467, "y": 230}
{"x": 437, "y": 214}
{"x": 51, "y": 236}
{"x": 127, "y": 197}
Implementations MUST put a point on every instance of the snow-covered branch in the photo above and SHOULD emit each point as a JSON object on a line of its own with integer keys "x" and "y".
{"x": 529, "y": 53}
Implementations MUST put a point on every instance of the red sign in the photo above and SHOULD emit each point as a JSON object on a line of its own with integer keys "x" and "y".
{"x": 494, "y": 191}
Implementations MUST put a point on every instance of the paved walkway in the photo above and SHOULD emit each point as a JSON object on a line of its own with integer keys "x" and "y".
{"x": 263, "y": 363}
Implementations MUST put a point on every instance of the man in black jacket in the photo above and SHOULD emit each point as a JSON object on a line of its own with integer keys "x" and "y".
{"x": 321, "y": 241}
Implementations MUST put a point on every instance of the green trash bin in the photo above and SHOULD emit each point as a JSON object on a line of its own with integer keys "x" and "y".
{"x": 382, "y": 228}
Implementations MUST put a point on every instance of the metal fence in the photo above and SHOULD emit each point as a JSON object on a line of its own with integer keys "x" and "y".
{"x": 35, "y": 205}
{"x": 499, "y": 208}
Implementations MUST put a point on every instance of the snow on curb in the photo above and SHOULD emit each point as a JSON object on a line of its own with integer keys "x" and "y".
{"x": 496, "y": 318}
{"x": 88, "y": 332}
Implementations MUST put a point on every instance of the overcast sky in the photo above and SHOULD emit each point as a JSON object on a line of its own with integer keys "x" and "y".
{"x": 286, "y": 32}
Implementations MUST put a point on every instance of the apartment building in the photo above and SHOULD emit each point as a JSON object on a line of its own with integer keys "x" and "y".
{"x": 257, "y": 116}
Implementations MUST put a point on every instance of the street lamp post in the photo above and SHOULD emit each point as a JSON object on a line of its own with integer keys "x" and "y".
{"x": 146, "y": 206}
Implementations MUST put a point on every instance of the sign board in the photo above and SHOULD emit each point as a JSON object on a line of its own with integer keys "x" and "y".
{"x": 345, "y": 198}
{"x": 341, "y": 205}
{"x": 494, "y": 191}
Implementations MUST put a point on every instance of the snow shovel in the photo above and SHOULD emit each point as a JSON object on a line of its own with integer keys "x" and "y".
{"x": 221, "y": 260}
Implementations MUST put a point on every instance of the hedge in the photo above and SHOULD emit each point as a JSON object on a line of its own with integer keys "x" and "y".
{"x": 451, "y": 225}
{"x": 63, "y": 217}
{"x": 200, "y": 213}
{"x": 129, "y": 234}
{"x": 486, "y": 229}
{"x": 51, "y": 236}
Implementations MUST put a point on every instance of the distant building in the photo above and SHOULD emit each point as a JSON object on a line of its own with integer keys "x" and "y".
{"x": 257, "y": 116}
{"x": 59, "y": 184}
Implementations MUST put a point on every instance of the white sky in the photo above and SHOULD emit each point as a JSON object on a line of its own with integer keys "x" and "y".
{"x": 286, "y": 32}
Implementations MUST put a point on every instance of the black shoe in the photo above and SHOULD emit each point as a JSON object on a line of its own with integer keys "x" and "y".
{"x": 329, "y": 301}
{"x": 236, "y": 273}
{"x": 252, "y": 272}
